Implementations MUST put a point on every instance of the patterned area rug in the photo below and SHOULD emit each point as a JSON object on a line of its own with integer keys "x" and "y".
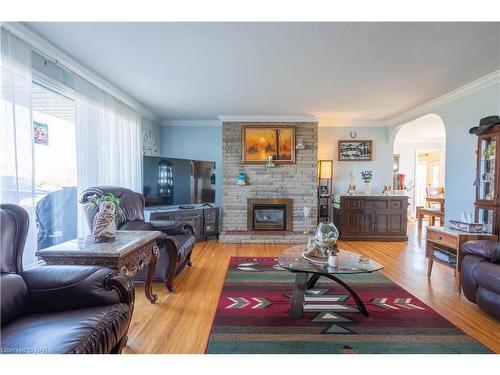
{"x": 252, "y": 316}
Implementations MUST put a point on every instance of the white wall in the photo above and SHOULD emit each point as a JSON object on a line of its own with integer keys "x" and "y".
{"x": 381, "y": 165}
{"x": 198, "y": 142}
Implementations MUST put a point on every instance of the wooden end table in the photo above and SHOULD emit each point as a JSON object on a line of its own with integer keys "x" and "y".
{"x": 129, "y": 253}
{"x": 452, "y": 240}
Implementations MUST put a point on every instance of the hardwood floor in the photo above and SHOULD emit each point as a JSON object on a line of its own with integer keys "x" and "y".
{"x": 181, "y": 322}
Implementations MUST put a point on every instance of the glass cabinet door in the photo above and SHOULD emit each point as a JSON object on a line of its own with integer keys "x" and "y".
{"x": 487, "y": 149}
{"x": 486, "y": 217}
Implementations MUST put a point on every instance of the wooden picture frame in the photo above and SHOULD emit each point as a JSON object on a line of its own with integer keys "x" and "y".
{"x": 258, "y": 142}
{"x": 355, "y": 150}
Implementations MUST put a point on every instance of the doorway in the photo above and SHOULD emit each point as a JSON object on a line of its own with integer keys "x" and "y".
{"x": 419, "y": 159}
{"x": 429, "y": 174}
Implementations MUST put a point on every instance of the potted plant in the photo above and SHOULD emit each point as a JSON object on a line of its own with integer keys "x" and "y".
{"x": 104, "y": 225}
{"x": 367, "y": 177}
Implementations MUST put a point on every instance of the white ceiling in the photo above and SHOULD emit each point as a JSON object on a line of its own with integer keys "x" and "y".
{"x": 340, "y": 72}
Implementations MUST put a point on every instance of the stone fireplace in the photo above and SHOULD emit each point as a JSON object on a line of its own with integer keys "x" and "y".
{"x": 295, "y": 183}
{"x": 269, "y": 215}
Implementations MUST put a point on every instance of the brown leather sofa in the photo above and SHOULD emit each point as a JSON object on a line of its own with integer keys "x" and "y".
{"x": 176, "y": 243}
{"x": 480, "y": 275}
{"x": 58, "y": 309}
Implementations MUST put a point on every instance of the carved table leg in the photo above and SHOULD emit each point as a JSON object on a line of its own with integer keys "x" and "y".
{"x": 148, "y": 289}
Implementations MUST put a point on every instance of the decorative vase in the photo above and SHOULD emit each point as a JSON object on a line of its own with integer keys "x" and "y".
{"x": 326, "y": 239}
{"x": 241, "y": 179}
{"x": 333, "y": 260}
{"x": 306, "y": 211}
{"x": 368, "y": 188}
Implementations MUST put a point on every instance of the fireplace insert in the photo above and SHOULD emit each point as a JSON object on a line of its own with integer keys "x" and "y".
{"x": 269, "y": 217}
{"x": 269, "y": 214}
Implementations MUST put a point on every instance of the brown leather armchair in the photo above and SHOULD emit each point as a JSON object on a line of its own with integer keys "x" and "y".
{"x": 58, "y": 309}
{"x": 176, "y": 243}
{"x": 480, "y": 274}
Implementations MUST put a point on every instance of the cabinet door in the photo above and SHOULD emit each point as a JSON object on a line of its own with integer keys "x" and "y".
{"x": 382, "y": 223}
{"x": 194, "y": 218}
{"x": 487, "y": 161}
{"x": 359, "y": 223}
{"x": 211, "y": 224}
{"x": 389, "y": 224}
{"x": 398, "y": 223}
{"x": 487, "y": 217}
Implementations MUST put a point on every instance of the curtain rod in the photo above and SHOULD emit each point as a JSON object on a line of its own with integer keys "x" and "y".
{"x": 41, "y": 45}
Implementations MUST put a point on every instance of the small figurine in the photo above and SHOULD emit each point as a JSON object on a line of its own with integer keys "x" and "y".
{"x": 387, "y": 190}
{"x": 351, "y": 190}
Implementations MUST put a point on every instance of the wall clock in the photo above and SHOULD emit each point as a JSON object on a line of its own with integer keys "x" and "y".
{"x": 149, "y": 143}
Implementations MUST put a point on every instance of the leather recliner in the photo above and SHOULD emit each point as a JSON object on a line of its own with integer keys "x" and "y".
{"x": 480, "y": 274}
{"x": 176, "y": 243}
{"x": 58, "y": 309}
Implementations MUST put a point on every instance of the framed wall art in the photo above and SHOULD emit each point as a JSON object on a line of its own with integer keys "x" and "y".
{"x": 395, "y": 163}
{"x": 355, "y": 150}
{"x": 259, "y": 142}
{"x": 41, "y": 133}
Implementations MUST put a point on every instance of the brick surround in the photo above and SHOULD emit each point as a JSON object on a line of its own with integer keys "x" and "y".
{"x": 294, "y": 181}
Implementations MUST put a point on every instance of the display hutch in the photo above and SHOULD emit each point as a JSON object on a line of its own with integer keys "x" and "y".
{"x": 487, "y": 205}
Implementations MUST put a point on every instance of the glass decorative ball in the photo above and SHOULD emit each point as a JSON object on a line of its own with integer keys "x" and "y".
{"x": 327, "y": 236}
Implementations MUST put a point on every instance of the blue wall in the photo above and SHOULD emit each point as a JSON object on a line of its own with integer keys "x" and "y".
{"x": 198, "y": 142}
{"x": 458, "y": 117}
{"x": 381, "y": 165}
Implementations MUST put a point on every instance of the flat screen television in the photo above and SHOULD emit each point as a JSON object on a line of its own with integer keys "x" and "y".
{"x": 173, "y": 182}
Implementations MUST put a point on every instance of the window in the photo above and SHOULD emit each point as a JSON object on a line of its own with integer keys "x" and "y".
{"x": 54, "y": 151}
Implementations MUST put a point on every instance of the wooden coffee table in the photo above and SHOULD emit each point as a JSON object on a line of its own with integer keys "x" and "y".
{"x": 450, "y": 239}
{"x": 129, "y": 253}
{"x": 308, "y": 273}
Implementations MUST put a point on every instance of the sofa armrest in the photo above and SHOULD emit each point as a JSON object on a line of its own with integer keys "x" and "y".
{"x": 171, "y": 227}
{"x": 61, "y": 287}
{"x": 486, "y": 249}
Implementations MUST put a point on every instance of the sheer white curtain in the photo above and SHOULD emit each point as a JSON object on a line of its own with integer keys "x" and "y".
{"x": 108, "y": 137}
{"x": 16, "y": 136}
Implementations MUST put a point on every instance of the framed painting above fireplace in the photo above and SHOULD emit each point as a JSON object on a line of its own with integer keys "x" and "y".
{"x": 259, "y": 142}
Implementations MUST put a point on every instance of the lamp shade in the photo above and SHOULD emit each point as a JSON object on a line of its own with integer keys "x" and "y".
{"x": 325, "y": 169}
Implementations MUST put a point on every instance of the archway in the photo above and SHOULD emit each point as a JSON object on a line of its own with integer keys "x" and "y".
{"x": 419, "y": 157}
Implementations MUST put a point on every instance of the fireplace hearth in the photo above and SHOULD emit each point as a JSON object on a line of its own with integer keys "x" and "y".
{"x": 269, "y": 214}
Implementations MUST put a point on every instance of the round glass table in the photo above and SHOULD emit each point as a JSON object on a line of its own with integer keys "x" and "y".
{"x": 349, "y": 263}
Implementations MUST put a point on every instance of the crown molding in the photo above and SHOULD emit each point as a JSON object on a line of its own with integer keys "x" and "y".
{"x": 470, "y": 88}
{"x": 353, "y": 124}
{"x": 268, "y": 118}
{"x": 46, "y": 48}
{"x": 204, "y": 123}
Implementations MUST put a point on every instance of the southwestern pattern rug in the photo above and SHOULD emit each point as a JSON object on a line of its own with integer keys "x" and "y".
{"x": 252, "y": 316}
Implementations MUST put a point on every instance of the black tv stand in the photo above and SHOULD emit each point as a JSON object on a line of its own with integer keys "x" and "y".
{"x": 203, "y": 218}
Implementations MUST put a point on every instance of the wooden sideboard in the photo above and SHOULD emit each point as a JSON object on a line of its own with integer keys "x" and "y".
{"x": 371, "y": 217}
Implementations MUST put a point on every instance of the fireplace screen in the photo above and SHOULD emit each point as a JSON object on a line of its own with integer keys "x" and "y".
{"x": 269, "y": 217}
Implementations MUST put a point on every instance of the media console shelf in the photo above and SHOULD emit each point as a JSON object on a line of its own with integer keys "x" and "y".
{"x": 204, "y": 219}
